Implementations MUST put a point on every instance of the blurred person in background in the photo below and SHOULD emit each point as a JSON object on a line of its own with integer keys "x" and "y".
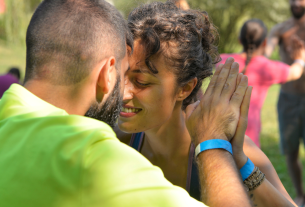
{"x": 291, "y": 103}
{"x": 261, "y": 71}
{"x": 12, "y": 76}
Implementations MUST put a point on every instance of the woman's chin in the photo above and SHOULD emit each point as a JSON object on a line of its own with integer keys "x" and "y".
{"x": 127, "y": 127}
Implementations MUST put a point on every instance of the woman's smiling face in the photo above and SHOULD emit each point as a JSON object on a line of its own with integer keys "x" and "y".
{"x": 149, "y": 99}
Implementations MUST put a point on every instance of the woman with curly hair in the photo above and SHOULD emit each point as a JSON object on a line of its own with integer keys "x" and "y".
{"x": 174, "y": 51}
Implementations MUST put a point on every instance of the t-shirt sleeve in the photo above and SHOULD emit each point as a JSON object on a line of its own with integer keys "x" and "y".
{"x": 117, "y": 175}
{"x": 277, "y": 72}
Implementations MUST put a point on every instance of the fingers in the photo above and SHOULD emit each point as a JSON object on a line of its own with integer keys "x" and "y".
{"x": 190, "y": 108}
{"x": 238, "y": 139}
{"x": 222, "y": 77}
{"x": 239, "y": 94}
{"x": 213, "y": 81}
{"x": 230, "y": 85}
{"x": 240, "y": 75}
{"x": 243, "y": 120}
{"x": 244, "y": 109}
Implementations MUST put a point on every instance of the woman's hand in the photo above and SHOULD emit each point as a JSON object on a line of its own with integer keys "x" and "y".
{"x": 238, "y": 139}
{"x": 217, "y": 114}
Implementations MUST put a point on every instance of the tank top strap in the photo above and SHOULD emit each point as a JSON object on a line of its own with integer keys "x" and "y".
{"x": 193, "y": 185}
{"x": 136, "y": 141}
{"x": 189, "y": 167}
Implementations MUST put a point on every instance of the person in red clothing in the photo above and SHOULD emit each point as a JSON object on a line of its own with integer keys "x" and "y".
{"x": 261, "y": 71}
{"x": 13, "y": 76}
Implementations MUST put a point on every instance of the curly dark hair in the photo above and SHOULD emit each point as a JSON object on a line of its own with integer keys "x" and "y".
{"x": 187, "y": 39}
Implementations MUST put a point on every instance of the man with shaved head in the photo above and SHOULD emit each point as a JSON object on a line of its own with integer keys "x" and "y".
{"x": 51, "y": 155}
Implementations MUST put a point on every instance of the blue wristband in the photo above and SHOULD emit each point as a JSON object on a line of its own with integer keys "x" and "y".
{"x": 213, "y": 144}
{"x": 247, "y": 169}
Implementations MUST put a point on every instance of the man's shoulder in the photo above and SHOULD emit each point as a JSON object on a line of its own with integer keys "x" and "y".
{"x": 281, "y": 28}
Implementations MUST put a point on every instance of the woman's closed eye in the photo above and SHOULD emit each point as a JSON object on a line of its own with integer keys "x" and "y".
{"x": 142, "y": 83}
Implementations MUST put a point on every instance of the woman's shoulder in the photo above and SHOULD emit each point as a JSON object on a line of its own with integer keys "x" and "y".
{"x": 236, "y": 56}
{"x": 122, "y": 136}
{"x": 271, "y": 64}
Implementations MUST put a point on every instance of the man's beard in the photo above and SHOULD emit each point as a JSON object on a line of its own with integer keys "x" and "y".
{"x": 109, "y": 111}
{"x": 299, "y": 14}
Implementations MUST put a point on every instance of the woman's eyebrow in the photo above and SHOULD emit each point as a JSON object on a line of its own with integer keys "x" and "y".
{"x": 143, "y": 71}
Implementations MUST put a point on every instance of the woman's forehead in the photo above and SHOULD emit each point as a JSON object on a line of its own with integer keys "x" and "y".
{"x": 137, "y": 59}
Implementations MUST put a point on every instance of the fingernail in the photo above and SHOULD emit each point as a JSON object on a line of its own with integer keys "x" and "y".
{"x": 235, "y": 64}
{"x": 230, "y": 59}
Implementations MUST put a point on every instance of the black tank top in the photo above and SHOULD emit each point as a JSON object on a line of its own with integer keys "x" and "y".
{"x": 192, "y": 182}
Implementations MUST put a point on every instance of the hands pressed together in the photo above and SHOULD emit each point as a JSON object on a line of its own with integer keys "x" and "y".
{"x": 222, "y": 113}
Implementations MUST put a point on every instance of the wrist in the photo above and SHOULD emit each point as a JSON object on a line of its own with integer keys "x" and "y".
{"x": 247, "y": 169}
{"x": 212, "y": 145}
{"x": 300, "y": 61}
{"x": 240, "y": 159}
{"x": 207, "y": 136}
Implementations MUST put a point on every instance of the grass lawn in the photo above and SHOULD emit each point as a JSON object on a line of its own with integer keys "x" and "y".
{"x": 269, "y": 138}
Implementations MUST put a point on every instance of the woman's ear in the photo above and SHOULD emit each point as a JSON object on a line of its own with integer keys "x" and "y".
{"x": 106, "y": 78}
{"x": 186, "y": 90}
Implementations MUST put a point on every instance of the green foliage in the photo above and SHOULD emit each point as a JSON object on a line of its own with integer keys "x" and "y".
{"x": 14, "y": 22}
{"x": 229, "y": 16}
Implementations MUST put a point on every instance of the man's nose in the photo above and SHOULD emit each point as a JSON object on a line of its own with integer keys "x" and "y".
{"x": 128, "y": 90}
{"x": 296, "y": 2}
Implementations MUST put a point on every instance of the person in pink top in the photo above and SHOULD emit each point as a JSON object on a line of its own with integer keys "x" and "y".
{"x": 262, "y": 72}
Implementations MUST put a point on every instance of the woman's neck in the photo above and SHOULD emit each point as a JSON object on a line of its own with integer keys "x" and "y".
{"x": 258, "y": 52}
{"x": 168, "y": 148}
{"x": 169, "y": 141}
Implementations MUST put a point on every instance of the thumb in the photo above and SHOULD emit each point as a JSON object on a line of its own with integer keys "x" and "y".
{"x": 190, "y": 108}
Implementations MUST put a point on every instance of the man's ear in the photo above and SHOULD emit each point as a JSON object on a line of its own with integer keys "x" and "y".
{"x": 186, "y": 90}
{"x": 106, "y": 77}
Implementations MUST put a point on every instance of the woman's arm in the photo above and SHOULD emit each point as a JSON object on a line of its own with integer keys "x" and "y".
{"x": 267, "y": 194}
{"x": 271, "y": 192}
{"x": 295, "y": 72}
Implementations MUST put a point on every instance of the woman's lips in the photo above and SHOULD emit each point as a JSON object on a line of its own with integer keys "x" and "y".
{"x": 129, "y": 111}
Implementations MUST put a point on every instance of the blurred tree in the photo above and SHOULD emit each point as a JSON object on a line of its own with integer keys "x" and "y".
{"x": 14, "y": 21}
{"x": 229, "y": 15}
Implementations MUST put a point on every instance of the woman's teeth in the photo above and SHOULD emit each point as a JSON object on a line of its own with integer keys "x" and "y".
{"x": 130, "y": 110}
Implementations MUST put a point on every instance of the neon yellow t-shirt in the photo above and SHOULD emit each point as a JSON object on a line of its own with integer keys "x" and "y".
{"x": 49, "y": 158}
